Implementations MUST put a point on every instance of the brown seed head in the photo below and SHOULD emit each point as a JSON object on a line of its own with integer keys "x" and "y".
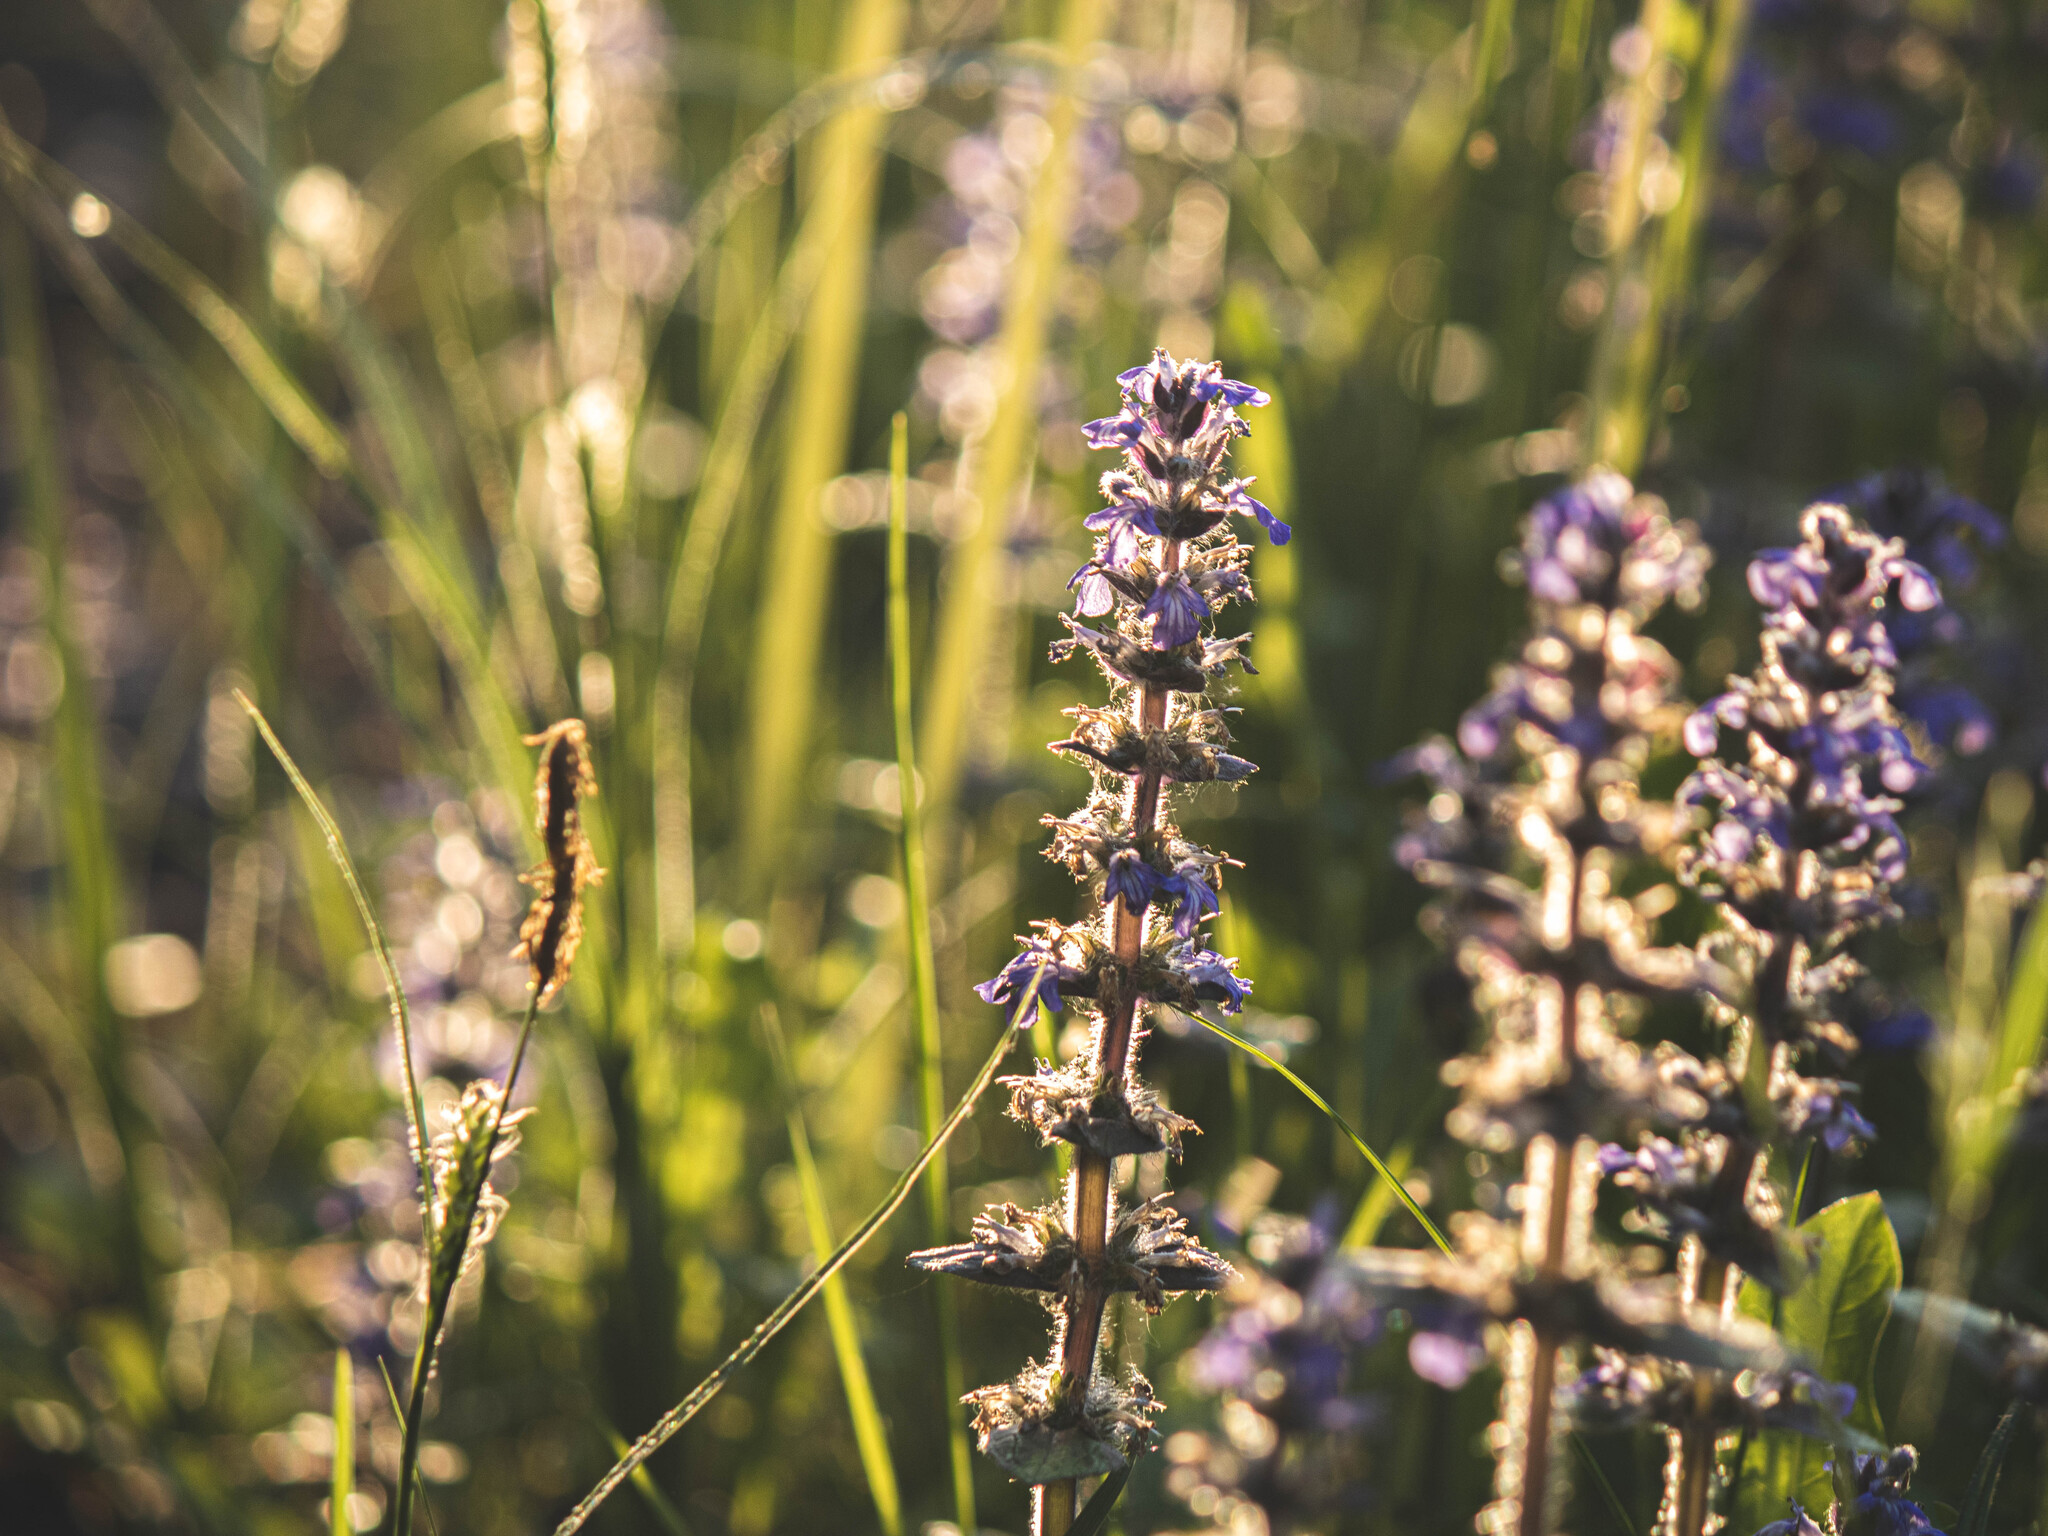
{"x": 554, "y": 924}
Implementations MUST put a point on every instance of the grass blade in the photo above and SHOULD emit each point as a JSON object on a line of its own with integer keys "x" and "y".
{"x": 924, "y": 987}
{"x": 1977, "y": 1499}
{"x": 91, "y": 874}
{"x": 1007, "y": 451}
{"x": 1400, "y": 1190}
{"x": 282, "y": 395}
{"x": 666, "y": 1427}
{"x": 343, "y": 1483}
{"x": 718, "y": 494}
{"x": 1094, "y": 1515}
{"x": 663, "y": 1508}
{"x": 869, "y": 1433}
{"x": 394, "y": 989}
{"x": 842, "y": 192}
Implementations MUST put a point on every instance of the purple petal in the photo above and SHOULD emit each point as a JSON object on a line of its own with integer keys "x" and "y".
{"x": 1918, "y": 590}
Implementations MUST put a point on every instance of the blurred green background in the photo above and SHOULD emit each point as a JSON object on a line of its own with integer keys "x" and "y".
{"x": 431, "y": 370}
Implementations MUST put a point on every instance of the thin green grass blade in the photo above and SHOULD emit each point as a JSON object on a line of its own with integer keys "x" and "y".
{"x": 1094, "y": 1516}
{"x": 394, "y": 989}
{"x": 92, "y": 900}
{"x": 1377, "y": 1203}
{"x": 1400, "y": 1190}
{"x": 1608, "y": 1497}
{"x": 1496, "y": 33}
{"x": 842, "y": 186}
{"x": 924, "y": 986}
{"x": 207, "y": 421}
{"x": 669, "y": 1423}
{"x": 689, "y": 596}
{"x": 869, "y": 1433}
{"x": 959, "y": 652}
{"x": 1983, "y": 1489}
{"x": 343, "y": 1483}
{"x": 283, "y": 396}
{"x": 398, "y": 1412}
{"x": 663, "y": 1508}
{"x": 424, "y": 542}
{"x": 1636, "y": 404}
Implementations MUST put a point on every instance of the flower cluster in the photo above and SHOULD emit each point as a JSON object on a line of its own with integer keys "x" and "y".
{"x": 1944, "y": 531}
{"x": 1536, "y": 821}
{"x": 1801, "y": 847}
{"x": 1166, "y": 560}
{"x": 1288, "y": 1436}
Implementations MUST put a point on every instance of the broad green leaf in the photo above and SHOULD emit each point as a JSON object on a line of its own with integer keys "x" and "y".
{"x": 1833, "y": 1321}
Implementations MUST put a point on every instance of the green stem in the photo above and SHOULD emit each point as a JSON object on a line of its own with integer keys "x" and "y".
{"x": 456, "y": 1230}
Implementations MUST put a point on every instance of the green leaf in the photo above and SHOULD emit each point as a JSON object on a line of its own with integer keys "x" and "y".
{"x": 1833, "y": 1321}
{"x": 1094, "y": 1516}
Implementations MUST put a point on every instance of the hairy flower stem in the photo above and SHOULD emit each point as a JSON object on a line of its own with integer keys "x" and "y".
{"x": 1689, "y": 1471}
{"x": 456, "y": 1228}
{"x": 1088, "y": 1183}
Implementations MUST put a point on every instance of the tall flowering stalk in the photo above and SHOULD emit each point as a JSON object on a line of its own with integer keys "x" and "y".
{"x": 1531, "y": 832}
{"x": 1166, "y": 559}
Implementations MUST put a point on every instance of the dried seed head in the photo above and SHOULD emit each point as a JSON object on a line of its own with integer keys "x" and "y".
{"x": 554, "y": 924}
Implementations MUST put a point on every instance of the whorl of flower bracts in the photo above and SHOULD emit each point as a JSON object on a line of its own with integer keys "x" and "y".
{"x": 1535, "y": 819}
{"x": 1166, "y": 560}
{"x": 1801, "y": 849}
{"x": 553, "y": 929}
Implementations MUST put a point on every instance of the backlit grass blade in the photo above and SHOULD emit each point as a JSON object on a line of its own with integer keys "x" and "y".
{"x": 1496, "y": 35}
{"x": 205, "y": 418}
{"x": 924, "y": 987}
{"x": 282, "y": 395}
{"x": 1377, "y": 1203}
{"x": 1637, "y": 400}
{"x": 658, "y": 1503}
{"x": 842, "y": 182}
{"x": 666, "y": 1427}
{"x": 342, "y": 1485}
{"x": 91, "y": 901}
{"x": 1007, "y": 451}
{"x": 869, "y": 1433}
{"x": 718, "y": 495}
{"x": 394, "y": 989}
{"x": 1400, "y": 1190}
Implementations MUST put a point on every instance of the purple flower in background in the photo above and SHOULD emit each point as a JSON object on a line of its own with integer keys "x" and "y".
{"x": 1879, "y": 1507}
{"x": 1801, "y": 837}
{"x": 1289, "y": 1437}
